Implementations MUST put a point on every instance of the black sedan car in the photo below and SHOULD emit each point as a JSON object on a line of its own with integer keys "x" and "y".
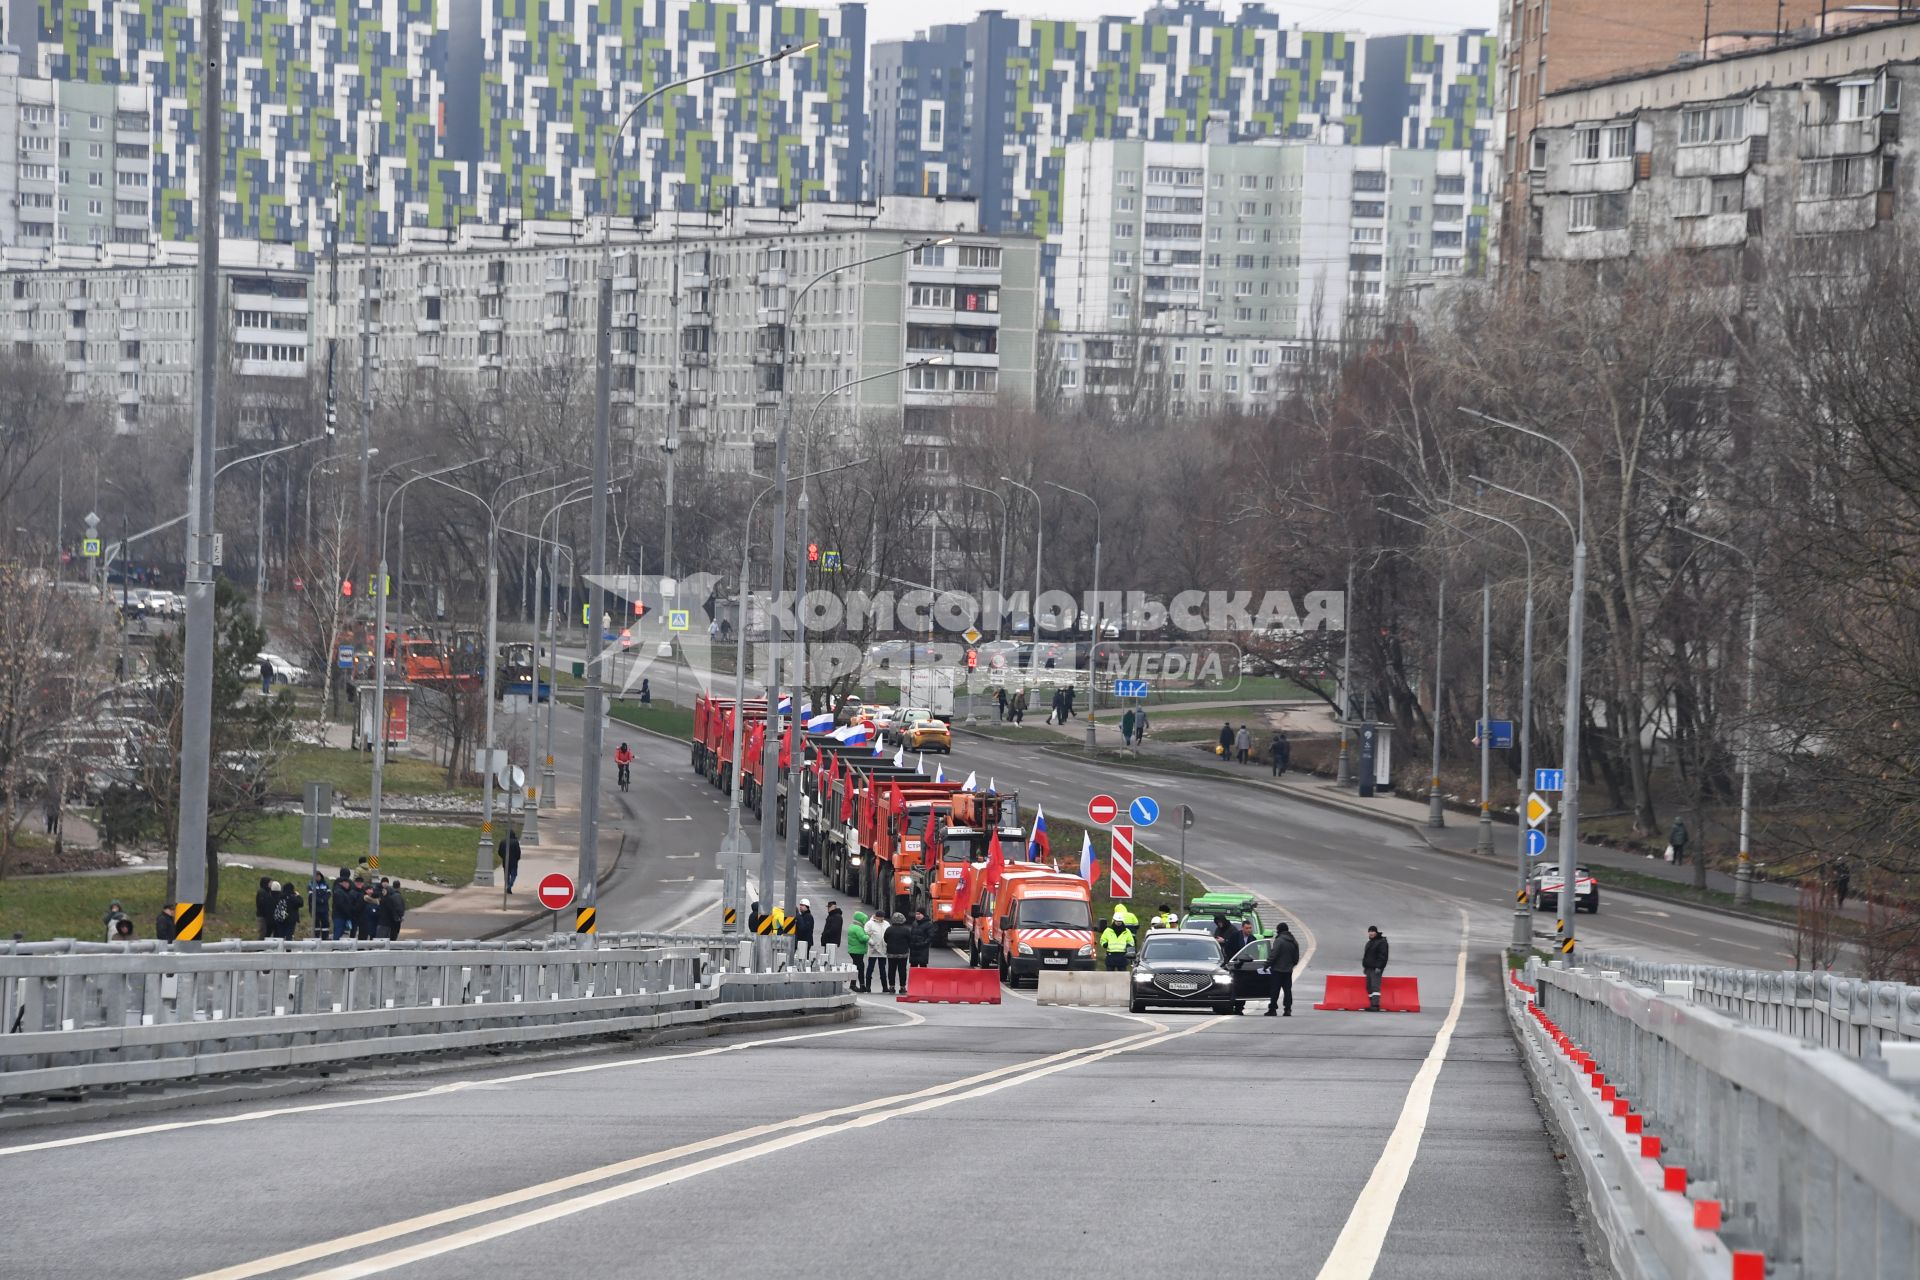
{"x": 1174, "y": 968}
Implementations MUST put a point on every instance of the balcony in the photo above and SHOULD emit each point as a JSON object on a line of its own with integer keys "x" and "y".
{"x": 492, "y": 324}
{"x": 696, "y": 359}
{"x": 554, "y": 324}
{"x": 425, "y": 325}
{"x": 772, "y": 278}
{"x": 1839, "y": 138}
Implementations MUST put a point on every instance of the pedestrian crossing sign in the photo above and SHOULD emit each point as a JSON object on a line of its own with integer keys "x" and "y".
{"x": 677, "y": 619}
{"x": 90, "y": 548}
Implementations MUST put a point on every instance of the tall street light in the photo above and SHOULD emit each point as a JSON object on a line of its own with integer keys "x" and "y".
{"x": 1000, "y": 611}
{"x": 1093, "y": 643}
{"x": 796, "y": 756}
{"x": 380, "y": 656}
{"x": 1039, "y": 537}
{"x": 1743, "y": 869}
{"x": 1344, "y": 770}
{"x": 483, "y": 855}
{"x": 1522, "y": 916}
{"x": 1576, "y": 638}
{"x": 1436, "y": 806}
{"x": 734, "y": 850}
{"x": 593, "y": 738}
{"x": 196, "y": 722}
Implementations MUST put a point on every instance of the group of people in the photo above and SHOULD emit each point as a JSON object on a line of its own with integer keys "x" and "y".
{"x": 1237, "y": 744}
{"x": 357, "y": 904}
{"x": 1133, "y": 726}
{"x": 277, "y": 908}
{"x": 888, "y": 946}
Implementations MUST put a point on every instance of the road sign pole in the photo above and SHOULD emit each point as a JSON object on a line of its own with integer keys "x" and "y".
{"x": 1484, "y": 844}
{"x": 1522, "y": 917}
{"x": 1436, "y": 808}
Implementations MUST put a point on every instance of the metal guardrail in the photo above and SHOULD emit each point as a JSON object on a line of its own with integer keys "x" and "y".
{"x": 1849, "y": 1015}
{"x": 1811, "y": 1155}
{"x": 79, "y": 1015}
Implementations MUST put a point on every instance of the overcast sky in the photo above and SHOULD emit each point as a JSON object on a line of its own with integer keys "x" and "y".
{"x": 893, "y": 19}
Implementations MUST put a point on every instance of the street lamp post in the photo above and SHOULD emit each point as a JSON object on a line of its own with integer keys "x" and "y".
{"x": 483, "y": 854}
{"x": 380, "y": 657}
{"x": 1743, "y": 869}
{"x": 593, "y": 738}
{"x": 1343, "y": 772}
{"x": 1436, "y": 806}
{"x": 1039, "y": 538}
{"x": 544, "y": 581}
{"x": 1522, "y": 915}
{"x": 1093, "y": 642}
{"x": 1576, "y": 636}
{"x": 1000, "y": 585}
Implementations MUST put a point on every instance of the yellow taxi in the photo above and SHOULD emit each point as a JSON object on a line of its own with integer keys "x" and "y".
{"x": 925, "y": 732}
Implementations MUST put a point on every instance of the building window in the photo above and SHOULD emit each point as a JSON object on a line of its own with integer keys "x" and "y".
{"x": 1702, "y": 125}
{"x": 1126, "y": 177}
{"x": 1369, "y": 209}
{"x": 1123, "y": 204}
{"x": 1539, "y": 160}
{"x": 1619, "y": 141}
{"x": 979, "y": 257}
{"x": 1586, "y": 144}
{"x": 1856, "y": 100}
{"x": 930, "y": 255}
{"x": 1123, "y": 230}
{"x": 1583, "y": 213}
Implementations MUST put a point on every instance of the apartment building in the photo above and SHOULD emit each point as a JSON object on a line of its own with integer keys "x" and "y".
{"x": 118, "y": 320}
{"x": 1269, "y": 240}
{"x": 76, "y": 161}
{"x": 1776, "y": 148}
{"x": 703, "y": 307}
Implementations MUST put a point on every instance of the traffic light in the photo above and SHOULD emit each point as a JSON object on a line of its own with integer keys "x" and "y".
{"x": 973, "y": 659}
{"x": 813, "y": 553}
{"x": 346, "y": 587}
{"x": 639, "y": 609}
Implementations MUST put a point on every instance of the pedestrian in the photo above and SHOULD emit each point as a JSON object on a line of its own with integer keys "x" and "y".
{"x": 1226, "y": 739}
{"x": 393, "y": 910}
{"x": 1140, "y": 727}
{"x": 899, "y": 948}
{"x": 1164, "y": 918}
{"x": 263, "y": 907}
{"x": 803, "y": 931}
{"x": 877, "y": 930}
{"x": 1242, "y": 745}
{"x": 286, "y": 910}
{"x": 53, "y": 812}
{"x": 163, "y": 925}
{"x": 1373, "y": 960}
{"x": 342, "y": 904}
{"x": 1116, "y": 940}
{"x": 1067, "y": 705}
{"x": 266, "y": 677}
{"x": 115, "y": 914}
{"x": 509, "y": 856}
{"x": 320, "y": 903}
{"x": 122, "y": 930}
{"x": 754, "y": 916}
{"x": 646, "y": 694}
{"x": 1053, "y": 709}
{"x": 1283, "y": 954}
{"x": 1677, "y": 841}
{"x": 832, "y": 930}
{"x": 1000, "y": 703}
{"x": 368, "y": 926}
{"x": 1842, "y": 876}
{"x": 857, "y": 945}
{"x": 1227, "y": 935}
{"x": 1125, "y": 916}
{"x": 920, "y": 940}
{"x": 1126, "y": 728}
{"x": 1282, "y": 752}
{"x": 1020, "y": 707}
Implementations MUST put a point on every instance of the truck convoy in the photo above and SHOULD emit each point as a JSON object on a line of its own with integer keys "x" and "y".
{"x": 901, "y": 841}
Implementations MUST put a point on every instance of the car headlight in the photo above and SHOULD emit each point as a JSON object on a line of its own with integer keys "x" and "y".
{"x": 1025, "y": 950}
{"x": 1222, "y": 978}
{"x": 1143, "y": 976}
{"x": 1086, "y": 950}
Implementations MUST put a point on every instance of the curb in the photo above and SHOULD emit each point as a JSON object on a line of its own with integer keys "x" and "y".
{"x": 1419, "y": 829}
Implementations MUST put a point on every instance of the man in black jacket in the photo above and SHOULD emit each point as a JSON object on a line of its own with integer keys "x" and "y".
{"x": 899, "y": 944}
{"x": 920, "y": 940}
{"x": 832, "y": 930}
{"x": 803, "y": 931}
{"x": 1283, "y": 953}
{"x": 393, "y": 909}
{"x": 1374, "y": 961}
{"x": 263, "y": 906}
{"x": 343, "y": 905}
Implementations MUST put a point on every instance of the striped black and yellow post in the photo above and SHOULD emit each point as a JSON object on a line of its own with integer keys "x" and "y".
{"x": 789, "y": 925}
{"x": 189, "y": 918}
{"x": 1520, "y": 895}
{"x": 586, "y": 920}
{"x": 765, "y": 925}
{"x": 730, "y": 916}
{"x": 1566, "y": 948}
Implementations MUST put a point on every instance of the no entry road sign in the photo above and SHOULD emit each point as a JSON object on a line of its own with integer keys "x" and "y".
{"x": 556, "y": 890}
{"x": 1102, "y": 809}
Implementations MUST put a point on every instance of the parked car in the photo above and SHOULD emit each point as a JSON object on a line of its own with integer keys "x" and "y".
{"x": 1184, "y": 970}
{"x": 1546, "y": 884}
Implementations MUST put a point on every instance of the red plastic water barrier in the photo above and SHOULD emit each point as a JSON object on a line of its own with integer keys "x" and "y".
{"x": 1349, "y": 993}
{"x": 951, "y": 986}
{"x": 1706, "y": 1215}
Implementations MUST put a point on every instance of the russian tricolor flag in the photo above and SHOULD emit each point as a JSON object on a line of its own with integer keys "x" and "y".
{"x": 1089, "y": 865}
{"x": 785, "y": 705}
{"x": 853, "y": 735}
{"x": 820, "y": 723}
{"x": 1038, "y": 849}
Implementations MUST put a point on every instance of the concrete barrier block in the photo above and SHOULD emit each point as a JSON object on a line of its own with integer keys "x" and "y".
{"x": 1100, "y": 989}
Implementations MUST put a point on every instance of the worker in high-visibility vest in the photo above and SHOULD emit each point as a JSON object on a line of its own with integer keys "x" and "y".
{"x": 1116, "y": 940}
{"x": 1124, "y": 916}
{"x": 1165, "y": 918}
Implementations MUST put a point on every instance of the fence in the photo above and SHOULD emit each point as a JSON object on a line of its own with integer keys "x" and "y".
{"x": 1811, "y": 1155}
{"x": 79, "y": 1015}
{"x": 1849, "y": 1015}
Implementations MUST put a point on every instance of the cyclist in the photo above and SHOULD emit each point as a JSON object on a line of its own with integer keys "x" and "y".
{"x": 624, "y": 758}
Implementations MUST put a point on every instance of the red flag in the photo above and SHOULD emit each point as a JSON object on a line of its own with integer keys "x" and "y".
{"x": 996, "y": 863}
{"x": 963, "y": 894}
{"x": 846, "y": 801}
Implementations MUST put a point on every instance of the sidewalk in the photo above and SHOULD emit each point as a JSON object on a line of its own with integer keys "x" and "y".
{"x": 1459, "y": 837}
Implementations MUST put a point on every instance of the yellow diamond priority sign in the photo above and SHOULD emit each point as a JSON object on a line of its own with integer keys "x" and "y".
{"x": 972, "y": 635}
{"x": 1538, "y": 809}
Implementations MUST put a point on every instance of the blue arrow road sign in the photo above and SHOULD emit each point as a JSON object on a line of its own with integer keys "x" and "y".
{"x": 1536, "y": 842}
{"x": 1549, "y": 779}
{"x": 1144, "y": 811}
{"x": 1129, "y": 688}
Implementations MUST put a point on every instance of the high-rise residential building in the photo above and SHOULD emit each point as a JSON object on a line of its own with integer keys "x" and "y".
{"x": 1272, "y": 239}
{"x": 982, "y": 109}
{"x": 118, "y": 319}
{"x": 702, "y": 311}
{"x": 76, "y": 161}
{"x": 1547, "y": 46}
{"x": 1436, "y": 93}
{"x": 488, "y": 109}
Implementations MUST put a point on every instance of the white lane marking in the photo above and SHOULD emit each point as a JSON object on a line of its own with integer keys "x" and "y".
{"x": 270, "y": 1113}
{"x": 1357, "y": 1251}
{"x": 687, "y": 818}
{"x": 909, "y": 1104}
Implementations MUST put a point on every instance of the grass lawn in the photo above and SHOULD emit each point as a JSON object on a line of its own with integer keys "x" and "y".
{"x": 1014, "y": 732}
{"x": 416, "y": 855}
{"x": 40, "y": 908}
{"x": 350, "y": 773}
{"x": 675, "y": 722}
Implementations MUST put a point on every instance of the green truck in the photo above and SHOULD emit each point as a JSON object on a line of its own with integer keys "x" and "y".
{"x": 1237, "y": 907}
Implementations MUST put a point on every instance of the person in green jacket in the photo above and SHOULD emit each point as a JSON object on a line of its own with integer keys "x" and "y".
{"x": 857, "y": 950}
{"x": 1116, "y": 940}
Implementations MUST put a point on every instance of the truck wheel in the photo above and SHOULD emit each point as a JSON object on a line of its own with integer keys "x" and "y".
{"x": 973, "y": 954}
